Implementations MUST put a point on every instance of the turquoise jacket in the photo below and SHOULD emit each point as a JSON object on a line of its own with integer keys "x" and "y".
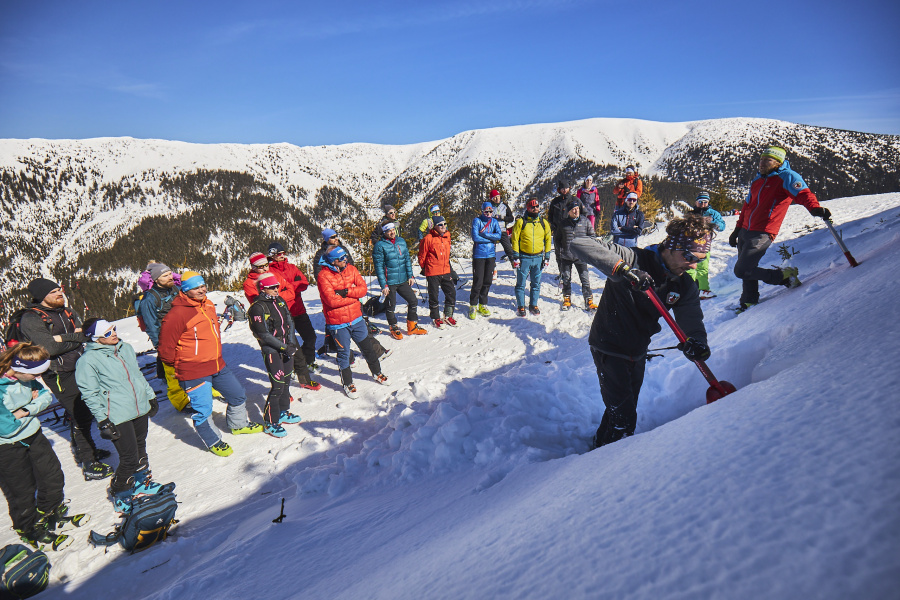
{"x": 112, "y": 384}
{"x": 20, "y": 394}
{"x": 393, "y": 264}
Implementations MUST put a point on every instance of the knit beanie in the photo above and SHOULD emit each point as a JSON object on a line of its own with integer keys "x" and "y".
{"x": 157, "y": 270}
{"x": 95, "y": 328}
{"x": 562, "y": 184}
{"x": 327, "y": 234}
{"x": 487, "y": 205}
{"x": 494, "y": 193}
{"x": 274, "y": 248}
{"x": 775, "y": 152}
{"x": 533, "y": 205}
{"x": 267, "y": 280}
{"x": 388, "y": 208}
{"x": 438, "y": 220}
{"x": 388, "y": 226}
{"x": 702, "y": 197}
{"x": 631, "y": 196}
{"x": 337, "y": 253}
{"x": 258, "y": 259}
{"x": 39, "y": 288}
{"x": 191, "y": 280}
{"x": 572, "y": 203}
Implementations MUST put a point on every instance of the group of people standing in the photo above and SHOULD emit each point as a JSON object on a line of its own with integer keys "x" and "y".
{"x": 95, "y": 375}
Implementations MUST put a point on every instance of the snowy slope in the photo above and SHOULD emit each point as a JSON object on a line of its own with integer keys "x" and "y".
{"x": 466, "y": 477}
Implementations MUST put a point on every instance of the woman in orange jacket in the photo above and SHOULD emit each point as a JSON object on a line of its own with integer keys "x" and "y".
{"x": 434, "y": 259}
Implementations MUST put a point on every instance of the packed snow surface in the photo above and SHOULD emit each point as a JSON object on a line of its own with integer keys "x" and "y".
{"x": 468, "y": 476}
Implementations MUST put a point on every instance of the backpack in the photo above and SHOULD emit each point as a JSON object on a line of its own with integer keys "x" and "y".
{"x": 25, "y": 572}
{"x": 12, "y": 335}
{"x": 373, "y": 306}
{"x": 149, "y": 522}
{"x": 237, "y": 308}
{"x": 164, "y": 307}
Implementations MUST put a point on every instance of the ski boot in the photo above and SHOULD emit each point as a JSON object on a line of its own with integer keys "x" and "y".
{"x": 534, "y": 310}
{"x": 385, "y": 355}
{"x": 589, "y": 304}
{"x": 221, "y": 448}
{"x": 350, "y": 391}
{"x": 412, "y": 328}
{"x": 40, "y": 538}
{"x": 100, "y": 454}
{"x": 96, "y": 470}
{"x": 59, "y": 519}
{"x": 381, "y": 378}
{"x": 310, "y": 385}
{"x": 743, "y": 307}
{"x": 567, "y": 303}
{"x": 248, "y": 428}
{"x": 121, "y": 500}
{"x": 396, "y": 332}
{"x": 520, "y": 311}
{"x": 448, "y": 318}
{"x": 437, "y": 323}
{"x": 275, "y": 430}
{"x": 289, "y": 418}
{"x": 483, "y": 310}
{"x": 472, "y": 312}
{"x": 347, "y": 382}
{"x": 144, "y": 486}
{"x": 790, "y": 277}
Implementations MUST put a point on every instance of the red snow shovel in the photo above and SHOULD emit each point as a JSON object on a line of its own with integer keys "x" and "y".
{"x": 717, "y": 389}
{"x": 841, "y": 243}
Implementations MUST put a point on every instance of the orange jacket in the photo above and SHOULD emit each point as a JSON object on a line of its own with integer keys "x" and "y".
{"x": 189, "y": 339}
{"x": 285, "y": 290}
{"x": 632, "y": 183}
{"x": 434, "y": 253}
{"x": 339, "y": 310}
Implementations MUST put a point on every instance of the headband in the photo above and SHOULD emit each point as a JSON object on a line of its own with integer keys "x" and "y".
{"x": 32, "y": 367}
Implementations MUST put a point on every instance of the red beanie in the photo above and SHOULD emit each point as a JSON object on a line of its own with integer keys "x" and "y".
{"x": 494, "y": 193}
{"x": 267, "y": 280}
{"x": 257, "y": 259}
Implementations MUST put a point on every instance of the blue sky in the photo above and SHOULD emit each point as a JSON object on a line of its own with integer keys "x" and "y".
{"x": 314, "y": 73}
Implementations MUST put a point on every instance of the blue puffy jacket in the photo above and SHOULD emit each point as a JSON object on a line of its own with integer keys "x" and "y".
{"x": 393, "y": 265}
{"x": 713, "y": 215}
{"x": 627, "y": 225}
{"x": 486, "y": 235}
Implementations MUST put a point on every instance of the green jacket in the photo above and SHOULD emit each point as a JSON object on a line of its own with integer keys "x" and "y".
{"x": 112, "y": 384}
{"x": 17, "y": 394}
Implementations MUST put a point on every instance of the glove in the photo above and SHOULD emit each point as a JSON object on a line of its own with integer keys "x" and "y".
{"x": 154, "y": 408}
{"x": 342, "y": 293}
{"x": 290, "y": 350}
{"x": 639, "y": 280}
{"x": 732, "y": 239}
{"x": 108, "y": 431}
{"x": 821, "y": 212}
{"x": 694, "y": 349}
{"x": 516, "y": 262}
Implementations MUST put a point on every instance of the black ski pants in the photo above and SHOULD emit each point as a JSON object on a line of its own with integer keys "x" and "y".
{"x": 565, "y": 277}
{"x": 132, "y": 450}
{"x": 66, "y": 390}
{"x": 307, "y": 333}
{"x": 280, "y": 369}
{"x": 407, "y": 293}
{"x": 620, "y": 385}
{"x": 482, "y": 278}
{"x": 751, "y": 247}
{"x": 505, "y": 243}
{"x": 437, "y": 283}
{"x": 30, "y": 467}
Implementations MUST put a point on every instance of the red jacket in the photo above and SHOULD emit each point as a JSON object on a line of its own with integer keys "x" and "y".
{"x": 339, "y": 310}
{"x": 284, "y": 290}
{"x": 632, "y": 183}
{"x": 434, "y": 253}
{"x": 295, "y": 278}
{"x": 189, "y": 339}
{"x": 770, "y": 197}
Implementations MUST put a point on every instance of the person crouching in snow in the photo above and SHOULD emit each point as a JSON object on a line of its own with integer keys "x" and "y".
{"x": 434, "y": 260}
{"x": 340, "y": 288}
{"x": 122, "y": 401}
{"x": 191, "y": 342}
{"x": 393, "y": 267}
{"x": 271, "y": 324}
{"x": 626, "y": 318}
{"x": 701, "y": 273}
{"x": 531, "y": 254}
{"x": 28, "y": 464}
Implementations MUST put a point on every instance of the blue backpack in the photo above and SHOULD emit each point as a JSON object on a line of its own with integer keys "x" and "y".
{"x": 149, "y": 522}
{"x": 25, "y": 572}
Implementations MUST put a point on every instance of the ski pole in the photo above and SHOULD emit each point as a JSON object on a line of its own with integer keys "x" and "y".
{"x": 841, "y": 243}
{"x": 717, "y": 389}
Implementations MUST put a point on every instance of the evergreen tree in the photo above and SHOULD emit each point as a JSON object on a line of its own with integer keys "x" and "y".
{"x": 721, "y": 199}
{"x": 650, "y": 204}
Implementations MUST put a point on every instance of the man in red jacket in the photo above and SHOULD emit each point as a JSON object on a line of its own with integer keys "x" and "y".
{"x": 190, "y": 342}
{"x": 278, "y": 263}
{"x": 772, "y": 192}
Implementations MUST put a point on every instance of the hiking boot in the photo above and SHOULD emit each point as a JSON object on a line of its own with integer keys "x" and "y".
{"x": 96, "y": 470}
{"x": 50, "y": 518}
{"x": 744, "y": 306}
{"x": 534, "y": 310}
{"x": 589, "y": 304}
{"x": 483, "y": 310}
{"x": 322, "y": 351}
{"x": 248, "y": 428}
{"x": 275, "y": 430}
{"x": 289, "y": 418}
{"x": 350, "y": 391}
{"x": 790, "y": 280}
{"x": 412, "y": 328}
{"x": 381, "y": 378}
{"x": 40, "y": 538}
{"x": 121, "y": 500}
{"x": 221, "y": 448}
{"x": 396, "y": 332}
{"x": 472, "y": 312}
{"x": 450, "y": 321}
{"x": 313, "y": 367}
{"x": 311, "y": 385}
{"x": 520, "y": 311}
{"x": 567, "y": 302}
{"x": 706, "y": 294}
{"x": 437, "y": 323}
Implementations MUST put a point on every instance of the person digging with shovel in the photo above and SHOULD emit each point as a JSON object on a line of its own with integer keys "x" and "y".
{"x": 626, "y": 317}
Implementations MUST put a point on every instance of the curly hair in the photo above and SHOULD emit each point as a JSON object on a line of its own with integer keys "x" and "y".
{"x": 24, "y": 350}
{"x": 690, "y": 226}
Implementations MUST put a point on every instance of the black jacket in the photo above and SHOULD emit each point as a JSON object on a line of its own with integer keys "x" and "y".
{"x": 271, "y": 323}
{"x": 63, "y": 322}
{"x": 567, "y": 231}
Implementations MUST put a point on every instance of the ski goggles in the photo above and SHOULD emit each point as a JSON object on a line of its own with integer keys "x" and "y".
{"x": 691, "y": 257}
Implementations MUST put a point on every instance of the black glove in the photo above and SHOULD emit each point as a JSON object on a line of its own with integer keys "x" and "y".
{"x": 639, "y": 280}
{"x": 290, "y": 349}
{"x": 821, "y": 212}
{"x": 694, "y": 349}
{"x": 342, "y": 293}
{"x": 154, "y": 408}
{"x": 108, "y": 431}
{"x": 732, "y": 239}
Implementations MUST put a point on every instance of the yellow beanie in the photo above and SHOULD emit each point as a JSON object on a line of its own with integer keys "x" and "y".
{"x": 775, "y": 152}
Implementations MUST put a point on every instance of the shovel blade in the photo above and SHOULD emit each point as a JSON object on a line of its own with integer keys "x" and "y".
{"x": 713, "y": 394}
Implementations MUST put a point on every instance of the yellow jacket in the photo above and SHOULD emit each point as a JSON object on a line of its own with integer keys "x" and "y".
{"x": 531, "y": 235}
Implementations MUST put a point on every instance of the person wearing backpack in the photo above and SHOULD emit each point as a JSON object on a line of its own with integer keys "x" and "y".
{"x": 700, "y": 274}
{"x": 590, "y": 199}
{"x": 154, "y": 306}
{"x": 631, "y": 183}
{"x": 122, "y": 401}
{"x": 49, "y": 323}
{"x": 428, "y": 222}
{"x": 531, "y": 254}
{"x": 505, "y": 217}
{"x": 31, "y": 477}
{"x": 190, "y": 342}
{"x": 271, "y": 325}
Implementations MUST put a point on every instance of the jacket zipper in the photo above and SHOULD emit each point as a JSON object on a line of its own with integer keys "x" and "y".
{"x": 128, "y": 376}
{"x": 196, "y": 343}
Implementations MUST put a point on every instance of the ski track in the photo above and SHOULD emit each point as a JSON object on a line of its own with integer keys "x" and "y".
{"x": 467, "y": 476}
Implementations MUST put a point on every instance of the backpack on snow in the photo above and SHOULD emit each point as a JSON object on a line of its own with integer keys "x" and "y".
{"x": 373, "y": 306}
{"x": 236, "y": 307}
{"x": 149, "y": 522}
{"x": 25, "y": 572}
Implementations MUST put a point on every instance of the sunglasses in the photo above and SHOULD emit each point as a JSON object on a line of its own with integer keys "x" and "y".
{"x": 488, "y": 212}
{"x": 392, "y": 214}
{"x": 259, "y": 267}
{"x": 691, "y": 257}
{"x": 270, "y": 287}
{"x": 334, "y": 237}
{"x": 109, "y": 333}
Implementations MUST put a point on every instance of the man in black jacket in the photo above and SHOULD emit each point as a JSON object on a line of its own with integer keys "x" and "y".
{"x": 626, "y": 318}
{"x": 51, "y": 324}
